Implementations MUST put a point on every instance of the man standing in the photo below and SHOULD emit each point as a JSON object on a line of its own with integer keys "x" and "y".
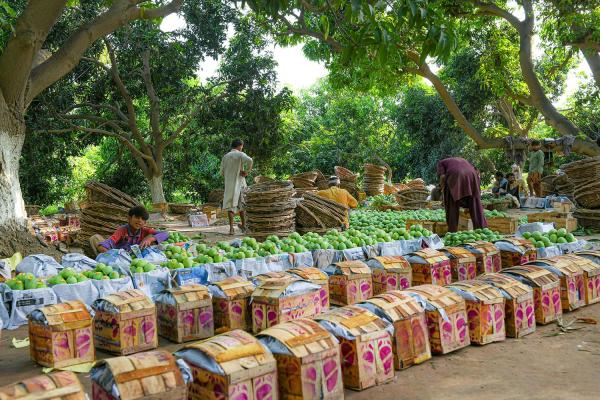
{"x": 536, "y": 168}
{"x": 235, "y": 166}
{"x": 460, "y": 185}
{"x": 339, "y": 195}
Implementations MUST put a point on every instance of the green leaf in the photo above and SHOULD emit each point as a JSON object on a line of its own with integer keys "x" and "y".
{"x": 325, "y": 26}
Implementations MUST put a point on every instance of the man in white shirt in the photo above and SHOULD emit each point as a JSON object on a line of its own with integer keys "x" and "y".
{"x": 235, "y": 166}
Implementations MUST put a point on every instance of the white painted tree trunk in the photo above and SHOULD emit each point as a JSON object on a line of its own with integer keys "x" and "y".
{"x": 156, "y": 189}
{"x": 12, "y": 136}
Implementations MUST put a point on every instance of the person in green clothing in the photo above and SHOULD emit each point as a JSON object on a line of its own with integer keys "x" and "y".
{"x": 536, "y": 168}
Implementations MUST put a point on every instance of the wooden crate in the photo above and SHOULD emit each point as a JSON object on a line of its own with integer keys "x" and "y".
{"x": 591, "y": 273}
{"x": 185, "y": 313}
{"x": 462, "y": 263}
{"x": 311, "y": 367}
{"x": 231, "y": 304}
{"x": 318, "y": 277}
{"x": 561, "y": 207}
{"x": 247, "y": 369}
{"x": 521, "y": 251}
{"x": 505, "y": 225}
{"x": 519, "y": 309}
{"x": 390, "y": 273}
{"x": 152, "y": 375}
{"x": 430, "y": 266}
{"x": 61, "y": 335}
{"x": 546, "y": 291}
{"x": 485, "y": 310}
{"x": 349, "y": 282}
{"x": 572, "y": 285}
{"x": 367, "y": 360}
{"x": 440, "y": 228}
{"x": 410, "y": 341}
{"x": 125, "y": 322}
{"x": 487, "y": 256}
{"x": 447, "y": 320}
{"x": 275, "y": 301}
{"x": 560, "y": 220}
{"x": 61, "y": 385}
{"x": 429, "y": 225}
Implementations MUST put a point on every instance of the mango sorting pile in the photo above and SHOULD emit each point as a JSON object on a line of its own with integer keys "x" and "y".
{"x": 462, "y": 237}
{"x": 25, "y": 282}
{"x": 551, "y": 238}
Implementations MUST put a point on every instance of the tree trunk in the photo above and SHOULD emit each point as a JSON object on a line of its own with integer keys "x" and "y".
{"x": 156, "y": 189}
{"x": 12, "y": 136}
{"x": 593, "y": 59}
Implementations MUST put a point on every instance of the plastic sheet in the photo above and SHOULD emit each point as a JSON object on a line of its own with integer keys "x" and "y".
{"x": 187, "y": 276}
{"x": 153, "y": 282}
{"x": 153, "y": 255}
{"x": 40, "y": 265}
{"x": 548, "y": 252}
{"x": 353, "y": 254}
{"x": 531, "y": 227}
{"x": 84, "y": 291}
{"x": 433, "y": 241}
{"x": 465, "y": 295}
{"x": 427, "y": 305}
{"x": 79, "y": 262}
{"x": 110, "y": 286}
{"x": 302, "y": 260}
{"x": 323, "y": 258}
{"x": 23, "y": 302}
{"x": 399, "y": 247}
{"x": 220, "y": 271}
{"x": 117, "y": 258}
{"x": 298, "y": 288}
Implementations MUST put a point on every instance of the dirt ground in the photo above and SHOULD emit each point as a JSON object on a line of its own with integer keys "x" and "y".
{"x": 545, "y": 365}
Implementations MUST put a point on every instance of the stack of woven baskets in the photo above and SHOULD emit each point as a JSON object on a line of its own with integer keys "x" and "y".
{"x": 548, "y": 185}
{"x": 322, "y": 181}
{"x": 347, "y": 180}
{"x": 270, "y": 209}
{"x": 412, "y": 199}
{"x": 305, "y": 182}
{"x": 563, "y": 186}
{"x": 585, "y": 175}
{"x": 317, "y": 214}
{"x": 105, "y": 210}
{"x": 374, "y": 179}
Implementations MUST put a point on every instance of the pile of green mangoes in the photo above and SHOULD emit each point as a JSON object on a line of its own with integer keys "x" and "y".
{"x": 176, "y": 237}
{"x": 25, "y": 281}
{"x": 67, "y": 276}
{"x": 139, "y": 266}
{"x": 495, "y": 214}
{"x": 102, "y": 272}
{"x": 551, "y": 238}
{"x": 178, "y": 258}
{"x": 462, "y": 237}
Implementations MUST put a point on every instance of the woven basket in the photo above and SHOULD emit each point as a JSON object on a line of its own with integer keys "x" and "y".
{"x": 413, "y": 198}
{"x": 416, "y": 184}
{"x": 303, "y": 183}
{"x": 216, "y": 196}
{"x": 270, "y": 209}
{"x": 587, "y": 218}
{"x": 317, "y": 212}
{"x": 583, "y": 171}
{"x": 321, "y": 182}
{"x": 99, "y": 192}
{"x": 262, "y": 179}
{"x": 345, "y": 174}
{"x": 309, "y": 176}
{"x": 588, "y": 196}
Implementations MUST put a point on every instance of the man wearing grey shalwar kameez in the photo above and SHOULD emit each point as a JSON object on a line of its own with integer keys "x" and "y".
{"x": 235, "y": 166}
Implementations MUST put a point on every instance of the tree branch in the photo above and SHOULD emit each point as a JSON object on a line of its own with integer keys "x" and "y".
{"x": 493, "y": 10}
{"x": 154, "y": 100}
{"x": 68, "y": 56}
{"x": 593, "y": 60}
{"x": 18, "y": 56}
{"x": 303, "y": 30}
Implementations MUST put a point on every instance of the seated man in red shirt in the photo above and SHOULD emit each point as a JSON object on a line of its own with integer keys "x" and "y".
{"x": 134, "y": 232}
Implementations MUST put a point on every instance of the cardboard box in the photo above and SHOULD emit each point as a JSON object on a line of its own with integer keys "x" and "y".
{"x": 485, "y": 311}
{"x": 447, "y": 319}
{"x": 125, "y": 322}
{"x": 276, "y": 300}
{"x": 185, "y": 313}
{"x": 462, "y": 263}
{"x": 367, "y": 360}
{"x": 231, "y": 299}
{"x": 390, "y": 273}
{"x": 61, "y": 385}
{"x": 350, "y": 282}
{"x": 505, "y": 225}
{"x": 318, "y": 277}
{"x": 546, "y": 291}
{"x": 151, "y": 375}
{"x": 411, "y": 338}
{"x": 561, "y": 207}
{"x": 519, "y": 309}
{"x": 589, "y": 261}
{"x": 517, "y": 252}
{"x": 487, "y": 256}
{"x": 250, "y": 370}
{"x": 572, "y": 285}
{"x": 311, "y": 369}
{"x": 429, "y": 266}
{"x": 61, "y": 335}
{"x": 440, "y": 228}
